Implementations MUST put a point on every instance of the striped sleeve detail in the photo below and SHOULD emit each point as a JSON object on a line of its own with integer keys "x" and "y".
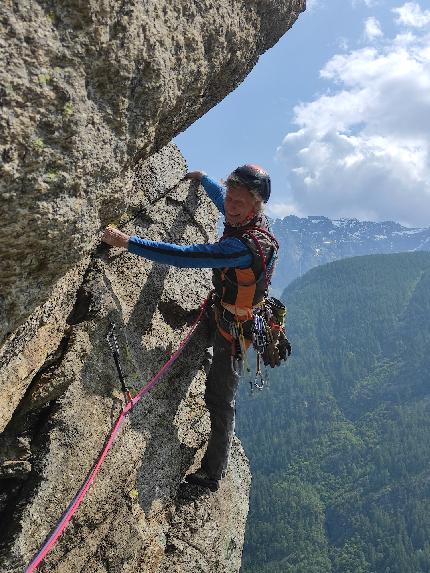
{"x": 215, "y": 191}
{"x": 228, "y": 253}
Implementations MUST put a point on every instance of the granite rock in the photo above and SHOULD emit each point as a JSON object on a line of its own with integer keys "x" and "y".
{"x": 91, "y": 93}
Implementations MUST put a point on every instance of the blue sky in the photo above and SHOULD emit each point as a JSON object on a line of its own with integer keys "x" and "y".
{"x": 338, "y": 112}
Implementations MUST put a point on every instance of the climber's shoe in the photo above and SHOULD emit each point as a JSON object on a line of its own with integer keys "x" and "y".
{"x": 201, "y": 478}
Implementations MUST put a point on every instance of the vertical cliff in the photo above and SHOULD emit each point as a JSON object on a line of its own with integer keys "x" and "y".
{"x": 91, "y": 94}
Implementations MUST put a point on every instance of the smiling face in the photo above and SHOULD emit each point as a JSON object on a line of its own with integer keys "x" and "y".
{"x": 240, "y": 205}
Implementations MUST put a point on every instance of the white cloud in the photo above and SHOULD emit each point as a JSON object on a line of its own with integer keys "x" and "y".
{"x": 372, "y": 29}
{"x": 411, "y": 14}
{"x": 312, "y": 4}
{"x": 363, "y": 149}
{"x": 281, "y": 210}
{"x": 368, "y": 3}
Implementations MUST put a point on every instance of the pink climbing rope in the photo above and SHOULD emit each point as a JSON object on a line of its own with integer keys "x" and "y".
{"x": 75, "y": 503}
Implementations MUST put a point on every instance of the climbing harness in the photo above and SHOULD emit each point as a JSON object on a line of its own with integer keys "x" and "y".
{"x": 129, "y": 404}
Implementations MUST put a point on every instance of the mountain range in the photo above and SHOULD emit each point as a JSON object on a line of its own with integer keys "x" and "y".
{"x": 311, "y": 241}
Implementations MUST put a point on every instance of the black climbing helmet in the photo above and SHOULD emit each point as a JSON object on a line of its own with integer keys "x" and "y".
{"x": 254, "y": 177}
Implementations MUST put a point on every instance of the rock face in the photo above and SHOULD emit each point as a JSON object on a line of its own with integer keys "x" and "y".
{"x": 91, "y": 93}
{"x": 89, "y": 89}
{"x": 137, "y": 516}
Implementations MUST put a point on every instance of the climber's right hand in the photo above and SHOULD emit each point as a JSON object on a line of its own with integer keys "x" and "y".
{"x": 115, "y": 237}
{"x": 195, "y": 175}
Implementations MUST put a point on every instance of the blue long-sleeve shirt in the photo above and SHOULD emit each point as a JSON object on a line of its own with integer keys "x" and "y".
{"x": 231, "y": 252}
{"x": 215, "y": 191}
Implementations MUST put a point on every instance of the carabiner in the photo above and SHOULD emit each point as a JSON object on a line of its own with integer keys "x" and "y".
{"x": 113, "y": 343}
{"x": 259, "y": 381}
{"x": 237, "y": 365}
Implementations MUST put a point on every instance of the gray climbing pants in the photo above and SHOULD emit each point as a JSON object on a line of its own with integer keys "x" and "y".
{"x": 220, "y": 394}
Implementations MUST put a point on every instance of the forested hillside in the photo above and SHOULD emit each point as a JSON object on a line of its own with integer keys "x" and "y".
{"x": 340, "y": 443}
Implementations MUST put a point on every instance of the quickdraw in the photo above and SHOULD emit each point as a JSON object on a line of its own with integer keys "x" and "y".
{"x": 267, "y": 326}
{"x": 259, "y": 333}
{"x": 259, "y": 381}
{"x": 239, "y": 359}
{"x": 259, "y": 342}
{"x": 113, "y": 343}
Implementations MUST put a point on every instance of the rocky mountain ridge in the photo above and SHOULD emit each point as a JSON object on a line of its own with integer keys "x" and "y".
{"x": 307, "y": 242}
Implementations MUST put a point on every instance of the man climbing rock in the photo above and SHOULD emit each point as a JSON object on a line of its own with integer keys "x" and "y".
{"x": 242, "y": 262}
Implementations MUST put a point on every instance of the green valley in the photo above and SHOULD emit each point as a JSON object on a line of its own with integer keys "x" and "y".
{"x": 339, "y": 444}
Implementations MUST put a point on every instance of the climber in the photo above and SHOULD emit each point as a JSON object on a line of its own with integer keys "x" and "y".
{"x": 242, "y": 262}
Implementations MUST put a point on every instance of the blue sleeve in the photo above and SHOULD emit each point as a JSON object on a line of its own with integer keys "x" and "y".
{"x": 230, "y": 252}
{"x": 215, "y": 191}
